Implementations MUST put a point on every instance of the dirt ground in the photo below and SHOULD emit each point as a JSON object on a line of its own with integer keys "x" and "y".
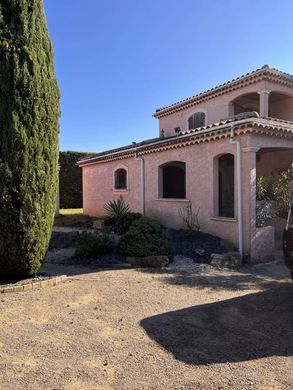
{"x": 179, "y": 328}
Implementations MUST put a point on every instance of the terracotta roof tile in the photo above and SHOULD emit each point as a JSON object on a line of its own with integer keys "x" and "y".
{"x": 247, "y": 119}
{"x": 261, "y": 72}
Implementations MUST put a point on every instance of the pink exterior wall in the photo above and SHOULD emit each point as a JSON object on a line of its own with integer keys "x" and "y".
{"x": 282, "y": 109}
{"x": 201, "y": 184}
{"x": 199, "y": 161}
{"x": 218, "y": 107}
{"x": 98, "y": 186}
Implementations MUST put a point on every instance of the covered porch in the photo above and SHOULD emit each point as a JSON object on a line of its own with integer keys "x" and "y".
{"x": 264, "y": 160}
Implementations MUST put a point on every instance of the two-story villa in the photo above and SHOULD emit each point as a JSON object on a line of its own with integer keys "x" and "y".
{"x": 209, "y": 150}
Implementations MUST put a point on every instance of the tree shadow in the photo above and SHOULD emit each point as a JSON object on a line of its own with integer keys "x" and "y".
{"x": 239, "y": 329}
{"x": 64, "y": 262}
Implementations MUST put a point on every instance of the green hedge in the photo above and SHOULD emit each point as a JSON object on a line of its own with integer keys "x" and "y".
{"x": 29, "y": 114}
{"x": 70, "y": 177}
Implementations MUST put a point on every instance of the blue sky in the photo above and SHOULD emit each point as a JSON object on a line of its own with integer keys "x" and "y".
{"x": 118, "y": 60}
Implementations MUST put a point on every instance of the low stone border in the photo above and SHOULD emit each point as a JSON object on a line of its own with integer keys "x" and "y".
{"x": 34, "y": 285}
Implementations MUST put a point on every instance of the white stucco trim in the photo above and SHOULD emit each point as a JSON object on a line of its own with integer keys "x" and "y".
{"x": 172, "y": 200}
{"x": 224, "y": 219}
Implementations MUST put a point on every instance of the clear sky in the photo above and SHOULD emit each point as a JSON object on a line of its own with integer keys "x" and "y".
{"x": 118, "y": 60}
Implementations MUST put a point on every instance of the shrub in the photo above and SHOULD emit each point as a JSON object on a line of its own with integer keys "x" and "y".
{"x": 146, "y": 237}
{"x": 190, "y": 217}
{"x": 90, "y": 245}
{"x": 282, "y": 192}
{"x": 125, "y": 222}
{"x": 117, "y": 208}
{"x": 261, "y": 188}
{"x": 29, "y": 114}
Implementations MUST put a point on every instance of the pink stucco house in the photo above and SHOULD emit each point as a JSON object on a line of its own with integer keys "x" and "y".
{"x": 209, "y": 151}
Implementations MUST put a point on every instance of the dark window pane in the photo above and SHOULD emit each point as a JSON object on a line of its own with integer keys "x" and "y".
{"x": 226, "y": 186}
{"x": 174, "y": 181}
{"x": 120, "y": 179}
{"x": 197, "y": 120}
{"x": 190, "y": 123}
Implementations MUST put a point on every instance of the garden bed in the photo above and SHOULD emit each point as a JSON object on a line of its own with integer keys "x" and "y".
{"x": 197, "y": 245}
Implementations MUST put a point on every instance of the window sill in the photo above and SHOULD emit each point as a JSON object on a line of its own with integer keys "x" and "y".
{"x": 122, "y": 190}
{"x": 172, "y": 200}
{"x": 223, "y": 219}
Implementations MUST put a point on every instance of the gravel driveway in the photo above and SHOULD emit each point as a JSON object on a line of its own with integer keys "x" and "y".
{"x": 181, "y": 328}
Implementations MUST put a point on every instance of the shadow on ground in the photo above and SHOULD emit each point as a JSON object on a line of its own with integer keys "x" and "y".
{"x": 239, "y": 329}
{"x": 202, "y": 276}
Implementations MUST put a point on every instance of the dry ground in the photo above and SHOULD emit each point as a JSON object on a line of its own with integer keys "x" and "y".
{"x": 131, "y": 329}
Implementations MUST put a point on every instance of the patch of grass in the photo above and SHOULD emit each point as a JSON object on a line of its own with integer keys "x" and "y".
{"x": 74, "y": 217}
{"x": 71, "y": 211}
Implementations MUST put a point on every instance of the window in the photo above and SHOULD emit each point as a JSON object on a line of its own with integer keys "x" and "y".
{"x": 120, "y": 179}
{"x": 226, "y": 185}
{"x": 196, "y": 120}
{"x": 172, "y": 180}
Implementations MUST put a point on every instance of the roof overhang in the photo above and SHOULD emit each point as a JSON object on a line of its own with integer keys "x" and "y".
{"x": 263, "y": 126}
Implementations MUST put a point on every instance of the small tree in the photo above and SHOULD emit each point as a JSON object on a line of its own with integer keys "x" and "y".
{"x": 190, "y": 217}
{"x": 29, "y": 113}
{"x": 282, "y": 192}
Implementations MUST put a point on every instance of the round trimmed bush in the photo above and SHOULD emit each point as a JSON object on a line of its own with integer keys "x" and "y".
{"x": 90, "y": 245}
{"x": 146, "y": 237}
{"x": 125, "y": 222}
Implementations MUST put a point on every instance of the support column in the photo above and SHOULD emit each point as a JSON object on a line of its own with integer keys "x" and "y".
{"x": 264, "y": 102}
{"x": 249, "y": 200}
{"x": 231, "y": 111}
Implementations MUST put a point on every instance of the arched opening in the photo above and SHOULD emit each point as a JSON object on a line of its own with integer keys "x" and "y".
{"x": 120, "y": 179}
{"x": 246, "y": 103}
{"x": 281, "y": 106}
{"x": 172, "y": 184}
{"x": 197, "y": 120}
{"x": 226, "y": 186}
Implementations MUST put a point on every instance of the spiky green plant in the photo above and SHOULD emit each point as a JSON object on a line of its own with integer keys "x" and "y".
{"x": 117, "y": 209}
{"x": 29, "y": 114}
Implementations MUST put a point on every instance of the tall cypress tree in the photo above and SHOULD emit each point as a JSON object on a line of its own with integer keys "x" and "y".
{"x": 29, "y": 114}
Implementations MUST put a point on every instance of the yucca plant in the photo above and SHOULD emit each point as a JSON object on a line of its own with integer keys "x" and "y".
{"x": 117, "y": 209}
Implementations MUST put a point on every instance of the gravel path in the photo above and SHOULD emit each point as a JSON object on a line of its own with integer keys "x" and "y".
{"x": 180, "y": 328}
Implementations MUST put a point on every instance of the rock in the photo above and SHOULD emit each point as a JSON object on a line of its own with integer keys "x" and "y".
{"x": 225, "y": 260}
{"x": 200, "y": 252}
{"x": 149, "y": 261}
{"x": 98, "y": 224}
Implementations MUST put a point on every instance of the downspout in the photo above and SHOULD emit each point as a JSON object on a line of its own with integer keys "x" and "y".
{"x": 239, "y": 191}
{"x": 142, "y": 191}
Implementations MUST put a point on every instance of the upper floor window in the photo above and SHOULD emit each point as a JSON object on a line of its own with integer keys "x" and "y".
{"x": 120, "y": 179}
{"x": 196, "y": 120}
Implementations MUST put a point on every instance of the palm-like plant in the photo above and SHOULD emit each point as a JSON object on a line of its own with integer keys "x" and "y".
{"x": 117, "y": 208}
